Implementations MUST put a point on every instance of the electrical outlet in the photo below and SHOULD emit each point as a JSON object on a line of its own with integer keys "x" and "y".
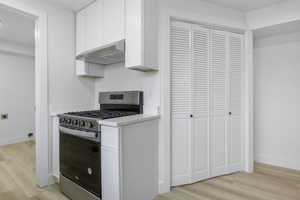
{"x": 30, "y": 135}
{"x": 158, "y": 109}
{"x": 4, "y": 116}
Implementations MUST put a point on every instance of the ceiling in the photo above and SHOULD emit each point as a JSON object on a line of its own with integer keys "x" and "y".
{"x": 245, "y": 5}
{"x": 286, "y": 28}
{"x": 16, "y": 27}
{"x": 19, "y": 28}
{"x": 72, "y": 4}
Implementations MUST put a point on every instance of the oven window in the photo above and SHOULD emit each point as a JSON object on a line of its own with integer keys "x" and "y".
{"x": 80, "y": 162}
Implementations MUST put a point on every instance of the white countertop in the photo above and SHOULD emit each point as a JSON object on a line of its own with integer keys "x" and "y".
{"x": 133, "y": 119}
{"x": 121, "y": 121}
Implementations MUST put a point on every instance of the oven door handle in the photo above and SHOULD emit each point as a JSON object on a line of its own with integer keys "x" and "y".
{"x": 83, "y": 134}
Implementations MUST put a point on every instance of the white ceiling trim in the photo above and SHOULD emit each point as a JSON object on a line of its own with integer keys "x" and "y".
{"x": 245, "y": 5}
{"x": 74, "y": 5}
{"x": 13, "y": 48}
{"x": 16, "y": 27}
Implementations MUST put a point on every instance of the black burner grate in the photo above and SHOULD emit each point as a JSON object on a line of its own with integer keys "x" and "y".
{"x": 102, "y": 114}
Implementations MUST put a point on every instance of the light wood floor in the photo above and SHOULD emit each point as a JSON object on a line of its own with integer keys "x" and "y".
{"x": 17, "y": 175}
{"x": 267, "y": 183}
{"x": 17, "y": 182}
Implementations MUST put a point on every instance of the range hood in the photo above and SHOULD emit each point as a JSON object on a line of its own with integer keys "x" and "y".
{"x": 105, "y": 55}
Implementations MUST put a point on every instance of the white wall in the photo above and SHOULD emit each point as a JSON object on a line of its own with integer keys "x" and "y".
{"x": 9, "y": 47}
{"x": 202, "y": 11}
{"x": 118, "y": 78}
{"x": 277, "y": 99}
{"x": 16, "y": 97}
{"x": 67, "y": 91}
{"x": 283, "y": 12}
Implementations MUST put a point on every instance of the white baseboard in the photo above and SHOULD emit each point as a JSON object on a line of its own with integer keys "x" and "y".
{"x": 280, "y": 162}
{"x": 53, "y": 179}
{"x": 4, "y": 142}
{"x": 163, "y": 187}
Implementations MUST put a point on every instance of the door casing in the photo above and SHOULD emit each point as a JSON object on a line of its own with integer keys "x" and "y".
{"x": 41, "y": 88}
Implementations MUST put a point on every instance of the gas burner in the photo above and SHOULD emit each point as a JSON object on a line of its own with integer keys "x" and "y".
{"x": 112, "y": 105}
{"x": 102, "y": 114}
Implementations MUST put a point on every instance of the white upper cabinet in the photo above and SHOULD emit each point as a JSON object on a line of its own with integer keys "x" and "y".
{"x": 80, "y": 31}
{"x": 94, "y": 25}
{"x": 107, "y": 21}
{"x": 113, "y": 23}
{"x": 99, "y": 24}
{"x": 141, "y": 33}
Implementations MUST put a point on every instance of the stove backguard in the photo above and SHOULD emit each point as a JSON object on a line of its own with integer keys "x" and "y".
{"x": 122, "y": 101}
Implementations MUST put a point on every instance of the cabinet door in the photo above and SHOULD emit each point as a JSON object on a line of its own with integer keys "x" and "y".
{"x": 235, "y": 103}
{"x": 200, "y": 103}
{"x": 94, "y": 24}
{"x": 110, "y": 163}
{"x": 110, "y": 173}
{"x": 180, "y": 53}
{"x": 141, "y": 33}
{"x": 133, "y": 33}
{"x": 113, "y": 23}
{"x": 218, "y": 115}
{"x": 80, "y": 31}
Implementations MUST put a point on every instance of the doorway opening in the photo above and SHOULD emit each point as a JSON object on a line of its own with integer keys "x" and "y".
{"x": 26, "y": 103}
{"x": 276, "y": 94}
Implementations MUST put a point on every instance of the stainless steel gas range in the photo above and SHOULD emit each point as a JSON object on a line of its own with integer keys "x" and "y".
{"x": 80, "y": 143}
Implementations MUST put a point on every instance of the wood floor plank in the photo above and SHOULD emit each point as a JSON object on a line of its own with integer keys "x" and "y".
{"x": 267, "y": 183}
{"x": 18, "y": 178}
{"x": 6, "y": 181}
{"x": 9, "y": 195}
{"x": 17, "y": 182}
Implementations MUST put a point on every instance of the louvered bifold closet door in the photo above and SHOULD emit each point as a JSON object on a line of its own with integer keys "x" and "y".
{"x": 200, "y": 103}
{"x": 181, "y": 101}
{"x": 235, "y": 102}
{"x": 218, "y": 102}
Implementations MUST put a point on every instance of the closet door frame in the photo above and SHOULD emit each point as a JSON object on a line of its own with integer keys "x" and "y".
{"x": 206, "y": 96}
{"x": 247, "y": 98}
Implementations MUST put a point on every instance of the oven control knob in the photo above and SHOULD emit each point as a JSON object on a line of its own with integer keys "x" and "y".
{"x": 69, "y": 121}
{"x": 82, "y": 123}
{"x": 75, "y": 122}
{"x": 91, "y": 125}
{"x": 62, "y": 120}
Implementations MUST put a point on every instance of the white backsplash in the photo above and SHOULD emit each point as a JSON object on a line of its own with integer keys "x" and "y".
{"x": 118, "y": 78}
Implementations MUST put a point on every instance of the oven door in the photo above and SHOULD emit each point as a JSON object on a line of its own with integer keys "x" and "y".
{"x": 80, "y": 159}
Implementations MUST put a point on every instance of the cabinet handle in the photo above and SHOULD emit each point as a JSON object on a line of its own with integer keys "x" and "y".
{"x": 230, "y": 113}
{"x": 191, "y": 116}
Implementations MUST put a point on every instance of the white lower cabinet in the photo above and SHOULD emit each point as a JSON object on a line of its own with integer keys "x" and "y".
{"x": 129, "y": 161}
{"x": 206, "y": 79}
{"x": 110, "y": 173}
